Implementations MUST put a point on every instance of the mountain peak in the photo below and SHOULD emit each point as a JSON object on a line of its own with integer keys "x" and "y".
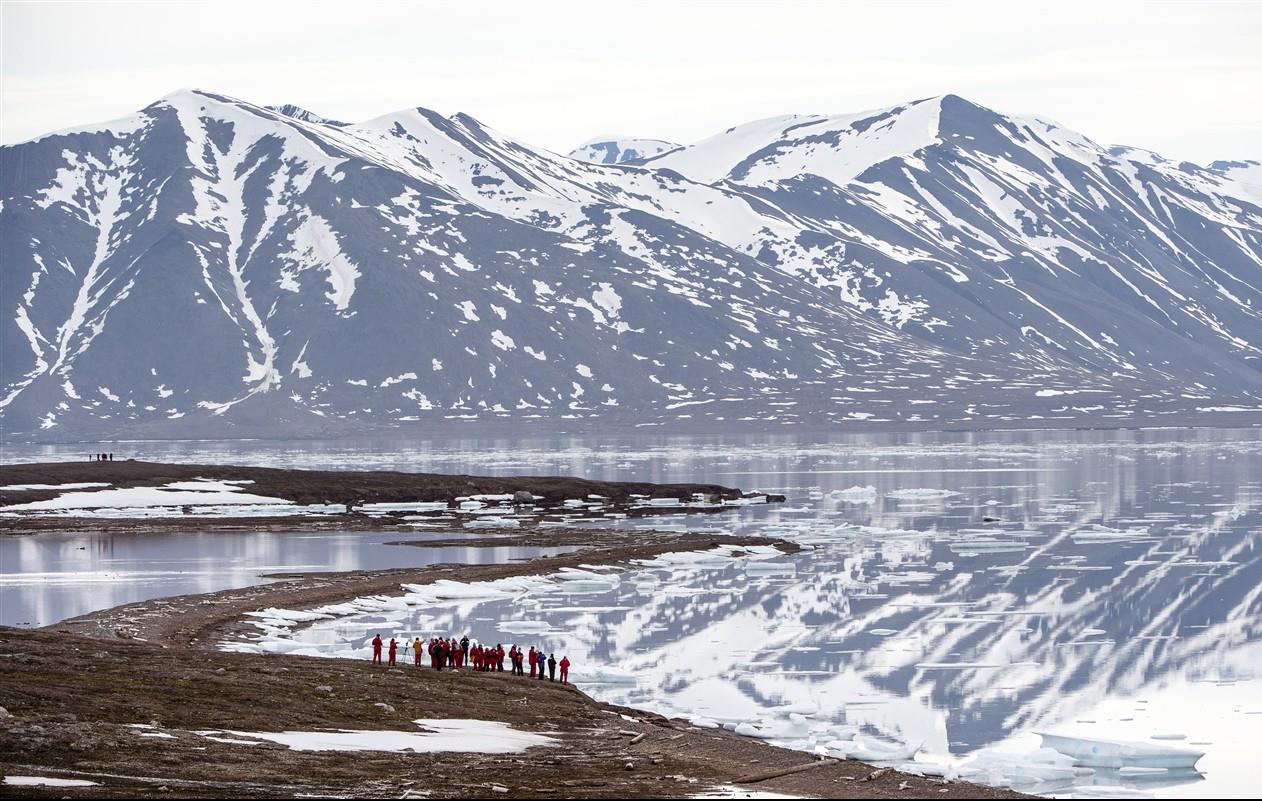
{"x": 620, "y": 149}
{"x": 299, "y": 113}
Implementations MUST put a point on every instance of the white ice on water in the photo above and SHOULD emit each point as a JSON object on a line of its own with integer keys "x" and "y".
{"x": 920, "y": 494}
{"x": 1098, "y": 753}
{"x": 855, "y": 495}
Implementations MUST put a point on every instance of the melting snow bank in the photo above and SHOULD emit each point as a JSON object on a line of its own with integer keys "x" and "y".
{"x": 46, "y": 781}
{"x": 279, "y": 627}
{"x": 199, "y": 492}
{"x": 440, "y": 735}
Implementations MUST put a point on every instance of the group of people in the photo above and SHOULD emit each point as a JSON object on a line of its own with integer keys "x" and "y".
{"x": 451, "y": 653}
{"x": 100, "y": 457}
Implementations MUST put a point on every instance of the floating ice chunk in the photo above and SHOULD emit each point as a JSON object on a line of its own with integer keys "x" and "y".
{"x": 855, "y": 495}
{"x": 765, "y": 568}
{"x": 608, "y": 675}
{"x": 1098, "y": 533}
{"x": 795, "y": 726}
{"x": 920, "y": 494}
{"x": 524, "y": 626}
{"x": 493, "y": 522}
{"x": 798, "y": 708}
{"x": 750, "y": 730}
{"x": 1118, "y": 753}
{"x": 1006, "y": 768}
{"x": 746, "y": 501}
{"x": 870, "y": 749}
{"x": 1108, "y": 791}
{"x": 419, "y": 506}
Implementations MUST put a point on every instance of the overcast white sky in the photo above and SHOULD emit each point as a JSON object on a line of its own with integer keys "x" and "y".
{"x": 1182, "y": 78}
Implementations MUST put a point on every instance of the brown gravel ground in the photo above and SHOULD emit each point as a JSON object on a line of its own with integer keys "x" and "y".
{"x": 332, "y": 486}
{"x": 69, "y": 691}
{"x": 71, "y": 697}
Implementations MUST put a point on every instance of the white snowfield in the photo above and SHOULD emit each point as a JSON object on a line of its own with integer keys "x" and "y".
{"x": 200, "y": 492}
{"x": 439, "y": 735}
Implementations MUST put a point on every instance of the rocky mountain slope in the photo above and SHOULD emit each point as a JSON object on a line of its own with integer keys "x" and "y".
{"x": 208, "y": 267}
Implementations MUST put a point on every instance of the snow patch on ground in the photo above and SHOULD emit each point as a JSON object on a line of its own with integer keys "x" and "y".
{"x": 440, "y": 735}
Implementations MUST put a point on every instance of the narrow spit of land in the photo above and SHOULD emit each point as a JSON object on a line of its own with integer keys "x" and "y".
{"x": 346, "y": 488}
{"x": 72, "y": 701}
{"x": 73, "y": 691}
{"x": 335, "y": 486}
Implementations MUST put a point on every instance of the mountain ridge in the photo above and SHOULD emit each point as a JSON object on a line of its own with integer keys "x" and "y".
{"x": 832, "y": 274}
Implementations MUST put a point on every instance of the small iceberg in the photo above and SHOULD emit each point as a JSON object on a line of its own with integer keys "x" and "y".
{"x": 920, "y": 494}
{"x": 1120, "y": 754}
{"x": 855, "y": 495}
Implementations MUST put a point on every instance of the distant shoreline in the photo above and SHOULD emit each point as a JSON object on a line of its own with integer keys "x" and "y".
{"x": 350, "y": 489}
{"x": 518, "y": 430}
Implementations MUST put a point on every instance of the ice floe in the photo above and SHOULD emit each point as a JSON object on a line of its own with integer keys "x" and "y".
{"x": 920, "y": 494}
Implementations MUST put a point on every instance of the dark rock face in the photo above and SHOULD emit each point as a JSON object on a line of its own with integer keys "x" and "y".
{"x": 209, "y": 267}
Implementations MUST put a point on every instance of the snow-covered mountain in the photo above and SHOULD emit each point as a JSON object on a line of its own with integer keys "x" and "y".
{"x": 617, "y": 150}
{"x": 208, "y": 267}
{"x": 299, "y": 113}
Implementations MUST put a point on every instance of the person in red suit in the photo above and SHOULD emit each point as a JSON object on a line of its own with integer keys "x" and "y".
{"x": 533, "y": 658}
{"x": 376, "y": 650}
{"x": 394, "y": 650}
{"x": 565, "y": 669}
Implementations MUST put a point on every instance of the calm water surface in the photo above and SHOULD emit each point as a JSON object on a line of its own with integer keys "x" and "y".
{"x": 962, "y": 621}
{"x": 52, "y": 577}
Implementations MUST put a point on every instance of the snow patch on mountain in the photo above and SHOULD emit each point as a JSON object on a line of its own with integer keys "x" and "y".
{"x": 620, "y": 150}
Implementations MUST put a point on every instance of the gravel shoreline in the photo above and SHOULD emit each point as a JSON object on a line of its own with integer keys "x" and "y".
{"x": 74, "y": 690}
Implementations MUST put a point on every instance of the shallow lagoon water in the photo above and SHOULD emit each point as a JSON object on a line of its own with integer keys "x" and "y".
{"x": 51, "y": 577}
{"x": 913, "y": 617}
